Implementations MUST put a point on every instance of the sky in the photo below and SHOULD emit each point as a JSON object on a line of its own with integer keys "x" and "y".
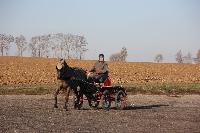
{"x": 145, "y": 27}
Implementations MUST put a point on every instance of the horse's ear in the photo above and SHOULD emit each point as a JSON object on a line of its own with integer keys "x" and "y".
{"x": 59, "y": 66}
{"x": 65, "y": 63}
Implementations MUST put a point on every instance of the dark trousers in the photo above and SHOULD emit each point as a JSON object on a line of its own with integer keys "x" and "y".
{"x": 97, "y": 78}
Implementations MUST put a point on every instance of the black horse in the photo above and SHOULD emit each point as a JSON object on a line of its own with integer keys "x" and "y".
{"x": 65, "y": 74}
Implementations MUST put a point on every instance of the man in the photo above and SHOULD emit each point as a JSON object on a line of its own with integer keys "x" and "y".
{"x": 99, "y": 71}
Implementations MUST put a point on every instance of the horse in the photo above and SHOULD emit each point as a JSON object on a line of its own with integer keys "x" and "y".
{"x": 65, "y": 73}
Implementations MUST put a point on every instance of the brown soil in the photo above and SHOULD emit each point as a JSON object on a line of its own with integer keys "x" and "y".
{"x": 148, "y": 113}
{"x": 21, "y": 70}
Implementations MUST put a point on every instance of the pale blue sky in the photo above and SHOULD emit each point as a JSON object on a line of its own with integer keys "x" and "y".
{"x": 145, "y": 27}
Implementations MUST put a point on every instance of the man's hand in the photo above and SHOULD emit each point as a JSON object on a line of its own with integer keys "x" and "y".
{"x": 97, "y": 71}
{"x": 88, "y": 74}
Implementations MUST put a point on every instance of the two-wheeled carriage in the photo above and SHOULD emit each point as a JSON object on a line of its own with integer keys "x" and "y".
{"x": 103, "y": 93}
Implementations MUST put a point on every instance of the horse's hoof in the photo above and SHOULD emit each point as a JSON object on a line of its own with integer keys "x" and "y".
{"x": 65, "y": 107}
{"x": 55, "y": 106}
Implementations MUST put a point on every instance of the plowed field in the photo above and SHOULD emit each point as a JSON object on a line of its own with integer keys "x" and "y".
{"x": 28, "y": 70}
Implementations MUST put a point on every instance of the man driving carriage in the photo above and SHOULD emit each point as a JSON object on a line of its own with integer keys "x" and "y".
{"x": 99, "y": 71}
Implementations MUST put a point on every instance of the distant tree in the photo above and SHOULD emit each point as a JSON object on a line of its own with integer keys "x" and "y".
{"x": 59, "y": 45}
{"x": 189, "y": 56}
{"x": 121, "y": 56}
{"x": 33, "y": 50}
{"x": 33, "y": 46}
{"x": 5, "y": 41}
{"x": 21, "y": 44}
{"x": 197, "y": 59}
{"x": 158, "y": 58}
{"x": 79, "y": 46}
{"x": 179, "y": 57}
{"x": 68, "y": 41}
{"x": 198, "y": 54}
{"x": 124, "y": 54}
{"x": 54, "y": 44}
{"x": 43, "y": 46}
{"x": 39, "y": 45}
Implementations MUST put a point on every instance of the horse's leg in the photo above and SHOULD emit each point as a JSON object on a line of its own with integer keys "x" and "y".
{"x": 67, "y": 89}
{"x": 67, "y": 98}
{"x": 79, "y": 100}
{"x": 89, "y": 101}
{"x": 55, "y": 96}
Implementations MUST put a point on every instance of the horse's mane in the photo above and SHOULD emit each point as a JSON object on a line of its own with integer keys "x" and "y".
{"x": 79, "y": 73}
{"x": 68, "y": 71}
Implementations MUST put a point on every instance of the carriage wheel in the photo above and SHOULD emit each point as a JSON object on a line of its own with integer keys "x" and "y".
{"x": 96, "y": 101}
{"x": 106, "y": 101}
{"x": 120, "y": 100}
{"x": 78, "y": 102}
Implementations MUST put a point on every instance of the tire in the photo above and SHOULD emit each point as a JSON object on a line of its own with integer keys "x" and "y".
{"x": 120, "y": 100}
{"x": 106, "y": 101}
{"x": 95, "y": 102}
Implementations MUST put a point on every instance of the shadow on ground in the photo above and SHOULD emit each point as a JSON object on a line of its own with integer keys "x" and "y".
{"x": 131, "y": 107}
{"x": 135, "y": 107}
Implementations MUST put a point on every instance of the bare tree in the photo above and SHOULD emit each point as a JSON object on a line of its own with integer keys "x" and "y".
{"x": 39, "y": 45}
{"x": 82, "y": 46}
{"x": 124, "y": 54}
{"x": 189, "y": 56}
{"x": 21, "y": 44}
{"x": 79, "y": 46}
{"x": 179, "y": 57}
{"x": 33, "y": 49}
{"x": 198, "y": 54}
{"x": 62, "y": 43}
{"x": 158, "y": 58}
{"x": 59, "y": 44}
{"x": 68, "y": 41}
{"x": 54, "y": 45}
{"x": 121, "y": 56}
{"x": 43, "y": 46}
{"x": 33, "y": 46}
{"x": 5, "y": 41}
{"x": 56, "y": 42}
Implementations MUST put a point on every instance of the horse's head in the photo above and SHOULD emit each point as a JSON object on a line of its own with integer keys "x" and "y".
{"x": 61, "y": 68}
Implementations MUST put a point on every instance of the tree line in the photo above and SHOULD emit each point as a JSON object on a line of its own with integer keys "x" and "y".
{"x": 180, "y": 58}
{"x": 51, "y": 45}
{"x": 70, "y": 46}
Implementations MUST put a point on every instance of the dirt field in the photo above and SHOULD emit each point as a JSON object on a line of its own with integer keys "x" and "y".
{"x": 21, "y": 70}
{"x": 150, "y": 113}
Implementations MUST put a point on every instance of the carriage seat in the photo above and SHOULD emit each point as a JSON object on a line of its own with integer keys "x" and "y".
{"x": 106, "y": 82}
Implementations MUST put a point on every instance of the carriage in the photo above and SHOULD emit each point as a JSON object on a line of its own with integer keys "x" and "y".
{"x": 106, "y": 94}
{"x": 73, "y": 78}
